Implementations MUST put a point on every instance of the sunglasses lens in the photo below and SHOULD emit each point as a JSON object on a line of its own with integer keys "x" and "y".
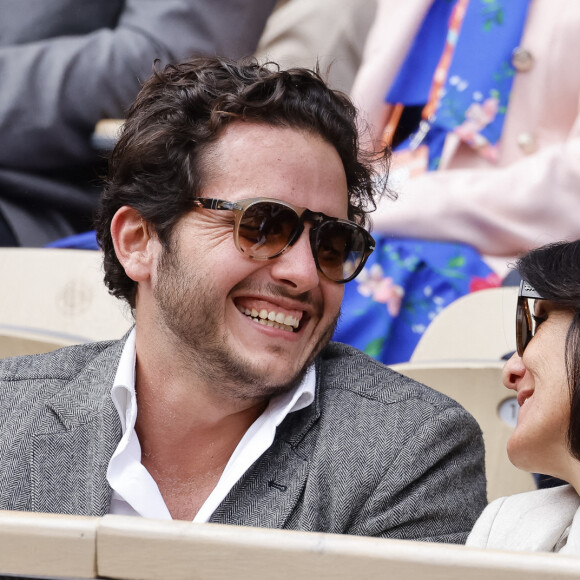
{"x": 340, "y": 250}
{"x": 524, "y": 327}
{"x": 266, "y": 228}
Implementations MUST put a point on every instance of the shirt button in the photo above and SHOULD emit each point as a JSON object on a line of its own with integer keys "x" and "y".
{"x": 527, "y": 143}
{"x": 522, "y": 59}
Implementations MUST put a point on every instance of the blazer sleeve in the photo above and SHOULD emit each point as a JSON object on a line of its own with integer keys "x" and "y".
{"x": 436, "y": 488}
{"x": 54, "y": 91}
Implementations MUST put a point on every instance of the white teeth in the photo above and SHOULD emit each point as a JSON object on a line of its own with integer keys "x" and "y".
{"x": 290, "y": 321}
{"x": 272, "y": 318}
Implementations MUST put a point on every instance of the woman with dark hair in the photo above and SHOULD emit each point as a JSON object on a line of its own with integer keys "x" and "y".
{"x": 545, "y": 373}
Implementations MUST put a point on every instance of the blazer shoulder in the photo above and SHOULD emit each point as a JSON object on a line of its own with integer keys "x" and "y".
{"x": 532, "y": 521}
{"x": 346, "y": 368}
{"x": 539, "y": 503}
{"x": 62, "y": 364}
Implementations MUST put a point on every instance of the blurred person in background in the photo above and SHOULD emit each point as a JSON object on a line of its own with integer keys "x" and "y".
{"x": 545, "y": 373}
{"x": 479, "y": 99}
{"x": 65, "y": 65}
{"x": 330, "y": 34}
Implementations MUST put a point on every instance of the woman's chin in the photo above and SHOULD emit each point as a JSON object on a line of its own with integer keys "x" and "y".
{"x": 519, "y": 455}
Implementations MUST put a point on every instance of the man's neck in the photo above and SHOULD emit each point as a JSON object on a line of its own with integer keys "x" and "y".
{"x": 187, "y": 431}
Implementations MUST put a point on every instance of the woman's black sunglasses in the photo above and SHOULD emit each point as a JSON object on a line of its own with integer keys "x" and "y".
{"x": 265, "y": 228}
{"x": 525, "y": 322}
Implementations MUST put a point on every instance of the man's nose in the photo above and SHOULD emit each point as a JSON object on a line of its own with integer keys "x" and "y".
{"x": 513, "y": 372}
{"x": 296, "y": 266}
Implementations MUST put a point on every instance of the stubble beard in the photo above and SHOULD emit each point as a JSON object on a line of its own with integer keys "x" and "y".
{"x": 186, "y": 310}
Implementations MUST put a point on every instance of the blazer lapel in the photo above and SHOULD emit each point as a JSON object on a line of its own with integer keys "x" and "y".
{"x": 270, "y": 490}
{"x": 73, "y": 445}
{"x": 266, "y": 495}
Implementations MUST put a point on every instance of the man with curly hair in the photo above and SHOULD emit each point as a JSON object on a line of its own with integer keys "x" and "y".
{"x": 233, "y": 214}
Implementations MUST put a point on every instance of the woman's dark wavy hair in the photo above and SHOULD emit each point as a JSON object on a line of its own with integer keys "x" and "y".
{"x": 157, "y": 164}
{"x": 554, "y": 271}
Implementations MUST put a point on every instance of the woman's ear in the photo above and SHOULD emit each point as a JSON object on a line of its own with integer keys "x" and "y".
{"x": 133, "y": 243}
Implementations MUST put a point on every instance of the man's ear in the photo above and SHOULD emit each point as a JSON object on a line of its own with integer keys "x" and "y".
{"x": 134, "y": 243}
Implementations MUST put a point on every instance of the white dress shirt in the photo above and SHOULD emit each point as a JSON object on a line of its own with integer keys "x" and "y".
{"x": 136, "y": 493}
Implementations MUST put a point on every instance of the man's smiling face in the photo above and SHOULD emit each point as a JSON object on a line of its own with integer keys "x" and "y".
{"x": 212, "y": 301}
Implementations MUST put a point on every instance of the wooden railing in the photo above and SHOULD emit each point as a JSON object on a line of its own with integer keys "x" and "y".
{"x": 128, "y": 548}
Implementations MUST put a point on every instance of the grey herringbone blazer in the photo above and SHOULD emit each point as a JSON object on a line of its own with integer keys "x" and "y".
{"x": 376, "y": 453}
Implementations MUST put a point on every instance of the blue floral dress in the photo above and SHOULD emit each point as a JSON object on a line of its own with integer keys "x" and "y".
{"x": 403, "y": 286}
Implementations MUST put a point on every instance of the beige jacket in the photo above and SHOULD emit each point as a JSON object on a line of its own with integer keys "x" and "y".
{"x": 546, "y": 520}
{"x": 532, "y": 195}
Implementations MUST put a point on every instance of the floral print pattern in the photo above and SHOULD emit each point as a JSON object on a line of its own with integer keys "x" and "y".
{"x": 404, "y": 285}
{"x": 374, "y": 284}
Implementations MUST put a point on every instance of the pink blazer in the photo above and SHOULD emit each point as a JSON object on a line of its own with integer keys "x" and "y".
{"x": 532, "y": 196}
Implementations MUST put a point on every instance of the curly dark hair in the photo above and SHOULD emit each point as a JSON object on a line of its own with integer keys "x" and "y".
{"x": 554, "y": 272}
{"x": 157, "y": 164}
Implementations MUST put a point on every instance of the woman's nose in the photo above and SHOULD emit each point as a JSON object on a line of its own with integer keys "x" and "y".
{"x": 513, "y": 372}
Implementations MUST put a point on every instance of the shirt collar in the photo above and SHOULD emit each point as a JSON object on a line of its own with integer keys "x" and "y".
{"x": 124, "y": 395}
{"x": 123, "y": 391}
{"x": 134, "y": 490}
